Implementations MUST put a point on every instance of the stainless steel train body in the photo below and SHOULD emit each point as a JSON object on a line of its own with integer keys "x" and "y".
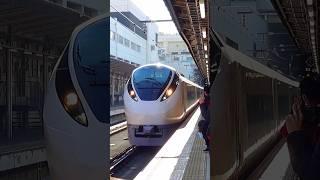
{"x": 157, "y": 99}
{"x": 75, "y": 110}
{"x": 249, "y": 103}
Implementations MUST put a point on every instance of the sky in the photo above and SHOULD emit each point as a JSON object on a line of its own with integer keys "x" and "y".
{"x": 157, "y": 10}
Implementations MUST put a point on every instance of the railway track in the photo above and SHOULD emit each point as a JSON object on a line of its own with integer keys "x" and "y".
{"x": 130, "y": 162}
{"x": 120, "y": 158}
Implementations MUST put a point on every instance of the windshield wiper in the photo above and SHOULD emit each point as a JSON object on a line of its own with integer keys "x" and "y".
{"x": 78, "y": 54}
{"x": 88, "y": 69}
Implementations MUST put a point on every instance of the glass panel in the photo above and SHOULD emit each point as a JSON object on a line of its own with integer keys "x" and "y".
{"x": 258, "y": 89}
{"x": 90, "y": 59}
{"x": 150, "y": 81}
{"x": 283, "y": 101}
{"x": 191, "y": 95}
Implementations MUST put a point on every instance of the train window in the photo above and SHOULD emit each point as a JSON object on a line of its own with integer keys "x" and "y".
{"x": 150, "y": 81}
{"x": 283, "y": 101}
{"x": 191, "y": 95}
{"x": 259, "y": 106}
{"x": 90, "y": 62}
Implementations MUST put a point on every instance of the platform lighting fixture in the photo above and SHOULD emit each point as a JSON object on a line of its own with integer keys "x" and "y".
{"x": 205, "y": 47}
{"x": 207, "y": 61}
{"x": 310, "y": 13}
{"x": 204, "y": 32}
{"x": 311, "y": 22}
{"x": 202, "y": 9}
{"x": 312, "y": 30}
{"x": 206, "y": 55}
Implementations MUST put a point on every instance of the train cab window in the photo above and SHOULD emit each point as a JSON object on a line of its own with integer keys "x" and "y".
{"x": 150, "y": 81}
{"x": 90, "y": 62}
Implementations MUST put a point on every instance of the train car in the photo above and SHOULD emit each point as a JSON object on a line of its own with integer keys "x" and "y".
{"x": 250, "y": 103}
{"x": 157, "y": 99}
{"x": 75, "y": 109}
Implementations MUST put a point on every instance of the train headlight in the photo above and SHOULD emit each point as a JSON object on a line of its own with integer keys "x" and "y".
{"x": 172, "y": 88}
{"x": 131, "y": 91}
{"x": 74, "y": 108}
{"x": 67, "y": 94}
{"x": 71, "y": 99}
{"x": 169, "y": 92}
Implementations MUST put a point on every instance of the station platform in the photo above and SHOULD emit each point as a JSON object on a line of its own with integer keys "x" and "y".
{"x": 117, "y": 115}
{"x": 280, "y": 168}
{"x": 22, "y": 154}
{"x": 182, "y": 157}
{"x": 116, "y": 110}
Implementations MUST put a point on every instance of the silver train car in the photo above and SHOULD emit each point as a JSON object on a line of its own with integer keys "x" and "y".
{"x": 75, "y": 109}
{"x": 157, "y": 99}
{"x": 250, "y": 103}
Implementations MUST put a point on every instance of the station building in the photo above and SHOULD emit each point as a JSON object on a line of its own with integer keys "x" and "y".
{"x": 174, "y": 52}
{"x": 263, "y": 36}
{"x": 32, "y": 36}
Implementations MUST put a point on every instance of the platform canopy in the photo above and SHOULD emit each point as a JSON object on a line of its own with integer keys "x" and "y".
{"x": 191, "y": 20}
{"x": 40, "y": 19}
{"x": 302, "y": 20}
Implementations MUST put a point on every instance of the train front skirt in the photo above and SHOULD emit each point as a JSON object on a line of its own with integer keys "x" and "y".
{"x": 150, "y": 135}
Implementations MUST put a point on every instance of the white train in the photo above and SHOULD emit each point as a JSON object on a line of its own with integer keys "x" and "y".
{"x": 157, "y": 99}
{"x": 251, "y": 101}
{"x": 75, "y": 115}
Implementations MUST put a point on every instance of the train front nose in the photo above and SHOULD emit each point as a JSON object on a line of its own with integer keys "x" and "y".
{"x": 149, "y": 100}
{"x": 74, "y": 112}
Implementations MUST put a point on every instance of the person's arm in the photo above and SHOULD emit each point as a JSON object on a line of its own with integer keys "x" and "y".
{"x": 300, "y": 152}
{"x": 304, "y": 158}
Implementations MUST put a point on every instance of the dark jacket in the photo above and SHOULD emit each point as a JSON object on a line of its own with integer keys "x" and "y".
{"x": 304, "y": 155}
{"x": 204, "y": 108}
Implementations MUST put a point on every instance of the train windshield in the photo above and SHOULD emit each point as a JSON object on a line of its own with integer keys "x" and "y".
{"x": 90, "y": 62}
{"x": 150, "y": 81}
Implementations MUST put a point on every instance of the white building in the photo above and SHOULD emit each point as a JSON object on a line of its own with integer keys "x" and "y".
{"x": 174, "y": 52}
{"x": 132, "y": 43}
{"x": 126, "y": 44}
{"x": 130, "y": 38}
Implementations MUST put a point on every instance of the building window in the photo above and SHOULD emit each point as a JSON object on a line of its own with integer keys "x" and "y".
{"x": 189, "y": 59}
{"x": 133, "y": 46}
{"x": 153, "y": 47}
{"x": 120, "y": 39}
{"x": 126, "y": 42}
{"x": 138, "y": 48}
{"x": 112, "y": 35}
{"x": 176, "y": 58}
{"x": 243, "y": 20}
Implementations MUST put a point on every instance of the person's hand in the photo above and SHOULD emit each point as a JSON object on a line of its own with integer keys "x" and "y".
{"x": 294, "y": 120}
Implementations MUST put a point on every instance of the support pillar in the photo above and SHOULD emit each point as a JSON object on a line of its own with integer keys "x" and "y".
{"x": 9, "y": 93}
{"x": 112, "y": 97}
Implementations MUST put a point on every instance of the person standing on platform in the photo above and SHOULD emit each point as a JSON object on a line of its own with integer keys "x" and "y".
{"x": 203, "y": 125}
